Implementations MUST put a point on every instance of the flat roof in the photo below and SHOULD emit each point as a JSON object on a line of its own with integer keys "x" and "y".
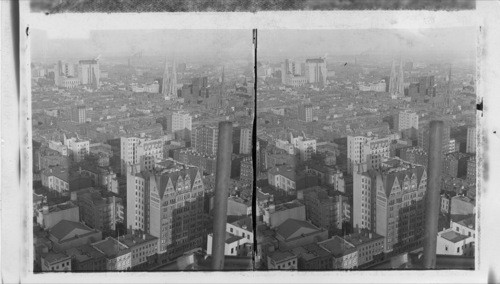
{"x": 279, "y": 256}
{"x": 453, "y": 236}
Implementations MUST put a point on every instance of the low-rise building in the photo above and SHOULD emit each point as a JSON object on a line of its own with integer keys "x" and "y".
{"x": 282, "y": 260}
{"x": 288, "y": 180}
{"x": 68, "y": 234}
{"x": 237, "y": 206}
{"x": 49, "y": 216}
{"x": 118, "y": 256}
{"x": 312, "y": 257}
{"x": 143, "y": 248}
{"x": 239, "y": 238}
{"x": 344, "y": 254}
{"x": 54, "y": 261}
{"x": 450, "y": 242}
{"x": 462, "y": 206}
{"x": 275, "y": 215}
{"x": 294, "y": 233}
{"x": 86, "y": 258}
{"x": 370, "y": 246}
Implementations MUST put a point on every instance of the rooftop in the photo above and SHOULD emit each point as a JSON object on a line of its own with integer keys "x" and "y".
{"x": 62, "y": 229}
{"x": 453, "y": 236}
{"x": 244, "y": 223}
{"x": 111, "y": 247}
{"x": 362, "y": 238}
{"x": 230, "y": 238}
{"x": 131, "y": 240}
{"x": 287, "y": 206}
{"x": 279, "y": 256}
{"x": 337, "y": 246}
{"x": 83, "y": 253}
{"x": 52, "y": 257}
{"x": 469, "y": 222}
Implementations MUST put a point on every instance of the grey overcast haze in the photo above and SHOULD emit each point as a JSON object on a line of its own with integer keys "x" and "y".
{"x": 193, "y": 44}
{"x": 455, "y": 42}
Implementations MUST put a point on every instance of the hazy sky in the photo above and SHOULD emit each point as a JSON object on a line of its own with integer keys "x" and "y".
{"x": 196, "y": 44}
{"x": 408, "y": 43}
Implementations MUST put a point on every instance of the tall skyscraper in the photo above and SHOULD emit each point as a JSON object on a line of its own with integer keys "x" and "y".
{"x": 449, "y": 91}
{"x": 204, "y": 139}
{"x": 169, "y": 82}
{"x": 368, "y": 151}
{"x": 390, "y": 201}
{"x": 471, "y": 140}
{"x": 316, "y": 71}
{"x": 89, "y": 72}
{"x": 396, "y": 81}
{"x": 306, "y": 112}
{"x": 168, "y": 204}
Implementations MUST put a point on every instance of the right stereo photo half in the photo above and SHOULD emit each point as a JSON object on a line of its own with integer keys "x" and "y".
{"x": 366, "y": 149}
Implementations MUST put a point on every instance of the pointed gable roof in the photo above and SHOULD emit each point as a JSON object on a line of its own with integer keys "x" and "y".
{"x": 65, "y": 230}
{"x": 293, "y": 228}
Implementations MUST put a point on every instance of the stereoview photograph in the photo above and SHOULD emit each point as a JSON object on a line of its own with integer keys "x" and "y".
{"x": 366, "y": 143}
{"x": 132, "y": 130}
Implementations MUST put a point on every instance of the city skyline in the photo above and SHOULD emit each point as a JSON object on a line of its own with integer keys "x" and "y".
{"x": 417, "y": 44}
{"x": 158, "y": 159}
{"x": 197, "y": 45}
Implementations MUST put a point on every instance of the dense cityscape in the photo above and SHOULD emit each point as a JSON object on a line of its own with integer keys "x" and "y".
{"x": 125, "y": 152}
{"x": 124, "y": 156}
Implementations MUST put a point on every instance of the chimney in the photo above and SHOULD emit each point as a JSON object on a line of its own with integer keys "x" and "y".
{"x": 432, "y": 199}
{"x": 222, "y": 175}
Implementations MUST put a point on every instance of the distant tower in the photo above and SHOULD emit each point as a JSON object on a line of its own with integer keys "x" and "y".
{"x": 396, "y": 81}
{"x": 447, "y": 98}
{"x": 169, "y": 82}
{"x": 222, "y": 82}
{"x": 173, "y": 81}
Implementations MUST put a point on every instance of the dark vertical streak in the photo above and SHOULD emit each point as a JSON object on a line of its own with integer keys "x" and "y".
{"x": 254, "y": 150}
{"x": 432, "y": 195}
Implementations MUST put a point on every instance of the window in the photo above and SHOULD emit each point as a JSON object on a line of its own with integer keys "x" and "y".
{"x": 458, "y": 249}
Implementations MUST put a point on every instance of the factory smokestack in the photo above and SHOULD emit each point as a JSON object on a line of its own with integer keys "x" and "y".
{"x": 432, "y": 196}
{"x": 224, "y": 150}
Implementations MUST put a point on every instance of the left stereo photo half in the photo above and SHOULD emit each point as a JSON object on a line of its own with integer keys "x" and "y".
{"x": 125, "y": 133}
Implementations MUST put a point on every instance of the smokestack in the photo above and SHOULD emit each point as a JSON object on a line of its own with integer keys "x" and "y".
{"x": 432, "y": 197}
{"x": 224, "y": 150}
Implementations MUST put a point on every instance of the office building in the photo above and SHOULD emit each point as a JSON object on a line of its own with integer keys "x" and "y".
{"x": 246, "y": 140}
{"x": 168, "y": 203}
{"x": 140, "y": 152}
{"x": 369, "y": 151}
{"x": 180, "y": 124}
{"x": 306, "y": 112}
{"x": 471, "y": 140}
{"x": 316, "y": 71}
{"x": 79, "y": 114}
{"x": 169, "y": 82}
{"x": 389, "y": 201}
{"x": 89, "y": 72}
{"x": 406, "y": 120}
{"x": 78, "y": 148}
{"x": 396, "y": 81}
{"x": 204, "y": 139}
{"x": 325, "y": 211}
